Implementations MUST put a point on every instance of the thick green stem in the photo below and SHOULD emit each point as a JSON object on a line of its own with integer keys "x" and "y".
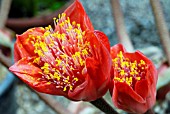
{"x": 103, "y": 106}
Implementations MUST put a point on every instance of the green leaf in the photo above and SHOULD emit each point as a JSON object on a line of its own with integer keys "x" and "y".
{"x": 164, "y": 78}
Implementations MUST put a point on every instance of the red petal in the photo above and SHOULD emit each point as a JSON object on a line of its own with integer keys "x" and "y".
{"x": 24, "y": 69}
{"x": 19, "y": 51}
{"x": 23, "y": 46}
{"x": 141, "y": 88}
{"x": 100, "y": 64}
{"x": 92, "y": 67}
{"x": 86, "y": 91}
{"x": 125, "y": 102}
{"x": 31, "y": 76}
{"x": 77, "y": 13}
{"x": 151, "y": 71}
{"x": 98, "y": 72}
{"x": 124, "y": 88}
{"x": 98, "y": 67}
{"x": 103, "y": 38}
{"x": 116, "y": 49}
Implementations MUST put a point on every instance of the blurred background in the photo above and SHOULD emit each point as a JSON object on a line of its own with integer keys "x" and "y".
{"x": 17, "y": 98}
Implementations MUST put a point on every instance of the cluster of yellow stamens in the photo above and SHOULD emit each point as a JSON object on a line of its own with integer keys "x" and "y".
{"x": 128, "y": 71}
{"x": 61, "y": 53}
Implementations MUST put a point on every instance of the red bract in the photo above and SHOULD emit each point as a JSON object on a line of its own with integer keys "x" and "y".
{"x": 134, "y": 79}
{"x": 72, "y": 60}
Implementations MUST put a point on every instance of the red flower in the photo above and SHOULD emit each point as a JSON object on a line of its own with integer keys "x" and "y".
{"x": 70, "y": 60}
{"x": 134, "y": 78}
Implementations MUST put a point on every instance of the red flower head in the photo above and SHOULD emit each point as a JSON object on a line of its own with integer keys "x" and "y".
{"x": 72, "y": 60}
{"x": 133, "y": 85}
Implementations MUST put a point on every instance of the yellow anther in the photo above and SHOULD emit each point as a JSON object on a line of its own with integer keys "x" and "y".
{"x": 57, "y": 21}
{"x": 48, "y": 83}
{"x": 38, "y": 37}
{"x": 63, "y": 14}
{"x": 54, "y": 18}
{"x": 120, "y": 55}
{"x": 39, "y": 52}
{"x": 63, "y": 47}
{"x": 64, "y": 56}
{"x": 32, "y": 42}
{"x": 43, "y": 46}
{"x": 71, "y": 87}
{"x": 138, "y": 78}
{"x": 67, "y": 79}
{"x": 122, "y": 80}
{"x": 122, "y": 72}
{"x": 73, "y": 23}
{"x": 78, "y": 25}
{"x": 71, "y": 68}
{"x": 42, "y": 28}
{"x": 77, "y": 54}
{"x": 58, "y": 62}
{"x": 130, "y": 79}
{"x": 142, "y": 62}
{"x": 76, "y": 79}
{"x": 63, "y": 38}
{"x": 81, "y": 61}
{"x": 132, "y": 73}
{"x": 117, "y": 79}
{"x": 83, "y": 33}
{"x": 84, "y": 51}
{"x": 136, "y": 72}
{"x": 65, "y": 88}
{"x": 80, "y": 36}
{"x": 127, "y": 79}
{"x": 59, "y": 16}
{"x": 68, "y": 20}
{"x": 36, "y": 60}
{"x": 56, "y": 76}
{"x": 46, "y": 65}
{"x": 47, "y": 28}
{"x": 31, "y": 30}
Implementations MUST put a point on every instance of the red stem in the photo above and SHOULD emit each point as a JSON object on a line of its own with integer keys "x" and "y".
{"x": 161, "y": 26}
{"x": 120, "y": 26}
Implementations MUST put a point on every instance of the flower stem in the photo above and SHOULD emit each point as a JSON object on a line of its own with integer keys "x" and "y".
{"x": 150, "y": 111}
{"x": 103, "y": 106}
{"x": 161, "y": 26}
{"x": 120, "y": 25}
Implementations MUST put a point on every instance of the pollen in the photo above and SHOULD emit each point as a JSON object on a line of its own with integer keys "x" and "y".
{"x": 128, "y": 71}
{"x": 61, "y": 53}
